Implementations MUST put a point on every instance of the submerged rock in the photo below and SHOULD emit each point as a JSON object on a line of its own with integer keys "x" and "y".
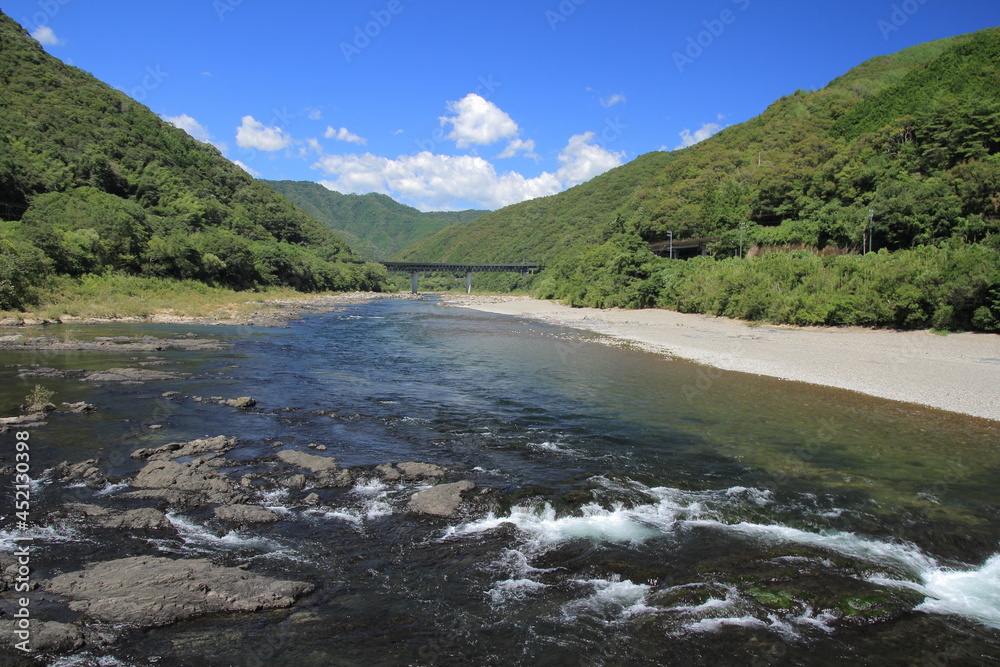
{"x": 129, "y": 375}
{"x": 147, "y": 591}
{"x": 174, "y": 450}
{"x": 441, "y": 500}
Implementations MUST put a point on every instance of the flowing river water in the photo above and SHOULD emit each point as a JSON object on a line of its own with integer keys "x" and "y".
{"x": 639, "y": 510}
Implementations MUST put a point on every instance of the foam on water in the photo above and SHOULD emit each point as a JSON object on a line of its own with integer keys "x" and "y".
{"x": 971, "y": 592}
{"x": 614, "y": 599}
{"x": 60, "y": 532}
{"x": 199, "y": 538}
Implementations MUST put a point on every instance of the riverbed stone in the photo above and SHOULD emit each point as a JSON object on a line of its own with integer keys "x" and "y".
{"x": 145, "y": 518}
{"x": 246, "y": 514}
{"x": 146, "y": 591}
{"x": 85, "y": 472}
{"x": 129, "y": 375}
{"x": 175, "y": 450}
{"x": 46, "y": 636}
{"x": 243, "y": 402}
{"x": 191, "y": 482}
{"x": 441, "y": 500}
{"x": 311, "y": 462}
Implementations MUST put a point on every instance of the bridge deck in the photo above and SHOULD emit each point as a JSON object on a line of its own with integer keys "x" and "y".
{"x": 523, "y": 267}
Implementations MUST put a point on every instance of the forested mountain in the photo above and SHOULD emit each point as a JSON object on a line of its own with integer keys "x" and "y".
{"x": 376, "y": 226}
{"x": 92, "y": 181}
{"x": 901, "y": 151}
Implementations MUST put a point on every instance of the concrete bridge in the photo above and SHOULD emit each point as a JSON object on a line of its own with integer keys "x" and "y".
{"x": 415, "y": 268}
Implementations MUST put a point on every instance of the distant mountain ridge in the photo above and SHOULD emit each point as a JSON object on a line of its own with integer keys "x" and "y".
{"x": 375, "y": 225}
{"x": 806, "y": 170}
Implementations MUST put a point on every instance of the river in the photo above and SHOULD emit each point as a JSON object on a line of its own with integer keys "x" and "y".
{"x": 637, "y": 510}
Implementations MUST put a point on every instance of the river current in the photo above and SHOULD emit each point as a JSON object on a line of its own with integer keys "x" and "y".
{"x": 638, "y": 510}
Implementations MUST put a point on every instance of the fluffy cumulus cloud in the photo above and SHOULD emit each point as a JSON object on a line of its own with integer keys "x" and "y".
{"x": 690, "y": 139}
{"x": 478, "y": 122}
{"x": 45, "y": 35}
{"x": 582, "y": 160}
{"x": 438, "y": 182}
{"x": 253, "y": 134}
{"x": 191, "y": 126}
{"x": 344, "y": 135}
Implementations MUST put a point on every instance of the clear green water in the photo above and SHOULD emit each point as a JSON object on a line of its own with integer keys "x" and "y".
{"x": 640, "y": 510}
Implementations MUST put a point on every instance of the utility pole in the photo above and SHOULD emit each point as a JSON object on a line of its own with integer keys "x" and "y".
{"x": 742, "y": 226}
{"x": 670, "y": 235}
{"x": 869, "y": 230}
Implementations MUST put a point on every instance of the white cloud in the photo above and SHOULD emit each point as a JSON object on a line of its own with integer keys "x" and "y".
{"x": 608, "y": 102}
{"x": 252, "y": 172}
{"x": 254, "y": 134}
{"x": 191, "y": 126}
{"x": 314, "y": 145}
{"x": 582, "y": 160}
{"x": 45, "y": 35}
{"x": 436, "y": 182}
{"x": 689, "y": 139}
{"x": 519, "y": 146}
{"x": 479, "y": 122}
{"x": 315, "y": 114}
{"x": 343, "y": 135}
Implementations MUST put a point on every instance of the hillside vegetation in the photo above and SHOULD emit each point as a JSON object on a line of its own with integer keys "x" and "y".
{"x": 900, "y": 155}
{"x": 93, "y": 182}
{"x": 375, "y": 225}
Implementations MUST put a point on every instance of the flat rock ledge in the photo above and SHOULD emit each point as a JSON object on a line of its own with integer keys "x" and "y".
{"x": 393, "y": 472}
{"x": 442, "y": 500}
{"x": 146, "y": 591}
{"x": 194, "y": 482}
{"x": 246, "y": 514}
{"x": 174, "y": 450}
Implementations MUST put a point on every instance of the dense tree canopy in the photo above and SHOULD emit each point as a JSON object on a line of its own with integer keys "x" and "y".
{"x": 91, "y": 181}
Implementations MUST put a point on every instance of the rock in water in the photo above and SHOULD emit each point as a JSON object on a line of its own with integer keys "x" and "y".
{"x": 246, "y": 514}
{"x": 311, "y": 462}
{"x": 175, "y": 450}
{"x": 193, "y": 482}
{"x": 146, "y": 591}
{"x": 440, "y": 500}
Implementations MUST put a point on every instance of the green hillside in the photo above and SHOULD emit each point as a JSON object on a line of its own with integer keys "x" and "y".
{"x": 92, "y": 181}
{"x": 376, "y": 226}
{"x": 901, "y": 151}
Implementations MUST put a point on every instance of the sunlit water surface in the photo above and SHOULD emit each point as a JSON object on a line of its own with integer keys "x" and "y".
{"x": 640, "y": 510}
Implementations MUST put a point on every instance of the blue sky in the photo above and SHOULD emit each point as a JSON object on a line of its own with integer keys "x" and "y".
{"x": 450, "y": 105}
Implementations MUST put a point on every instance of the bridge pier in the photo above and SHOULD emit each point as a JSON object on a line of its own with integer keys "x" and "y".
{"x": 413, "y": 281}
{"x": 468, "y": 282}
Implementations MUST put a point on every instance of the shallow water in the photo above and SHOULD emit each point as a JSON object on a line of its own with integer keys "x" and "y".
{"x": 640, "y": 510}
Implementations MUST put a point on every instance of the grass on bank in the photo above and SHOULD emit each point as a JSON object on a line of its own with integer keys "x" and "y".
{"x": 119, "y": 296}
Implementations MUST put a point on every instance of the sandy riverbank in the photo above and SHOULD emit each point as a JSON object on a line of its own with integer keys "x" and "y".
{"x": 957, "y": 372}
